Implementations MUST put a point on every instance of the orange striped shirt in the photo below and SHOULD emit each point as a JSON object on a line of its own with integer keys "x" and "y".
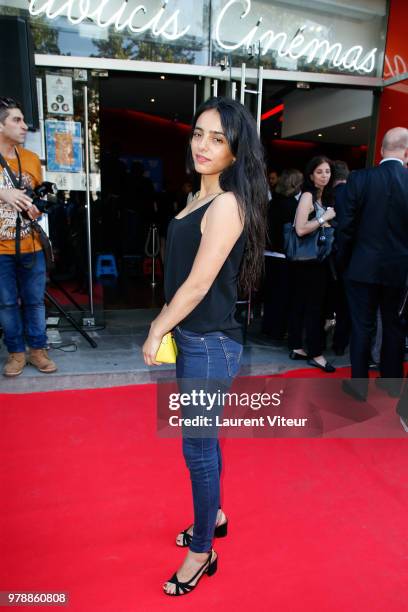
{"x": 31, "y": 177}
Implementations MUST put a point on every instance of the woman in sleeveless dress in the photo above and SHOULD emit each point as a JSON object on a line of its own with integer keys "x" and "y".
{"x": 310, "y": 279}
{"x": 214, "y": 244}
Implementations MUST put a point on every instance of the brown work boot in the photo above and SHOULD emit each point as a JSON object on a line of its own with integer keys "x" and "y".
{"x": 15, "y": 364}
{"x": 39, "y": 359}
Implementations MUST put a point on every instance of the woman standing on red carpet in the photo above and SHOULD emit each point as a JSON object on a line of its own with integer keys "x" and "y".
{"x": 310, "y": 278}
{"x": 214, "y": 243}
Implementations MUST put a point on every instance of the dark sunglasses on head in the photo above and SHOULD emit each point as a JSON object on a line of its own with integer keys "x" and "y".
{"x": 6, "y": 102}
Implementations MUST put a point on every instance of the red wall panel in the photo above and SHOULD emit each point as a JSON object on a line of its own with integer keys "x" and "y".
{"x": 396, "y": 51}
{"x": 394, "y": 99}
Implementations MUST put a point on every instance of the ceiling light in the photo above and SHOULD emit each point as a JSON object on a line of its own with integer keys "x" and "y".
{"x": 320, "y": 134}
{"x": 352, "y": 127}
{"x": 162, "y": 77}
{"x": 152, "y": 99}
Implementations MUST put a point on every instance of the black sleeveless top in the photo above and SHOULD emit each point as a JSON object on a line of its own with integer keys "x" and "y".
{"x": 216, "y": 310}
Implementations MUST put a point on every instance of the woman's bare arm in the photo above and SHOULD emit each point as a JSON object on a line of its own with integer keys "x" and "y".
{"x": 305, "y": 207}
{"x": 221, "y": 228}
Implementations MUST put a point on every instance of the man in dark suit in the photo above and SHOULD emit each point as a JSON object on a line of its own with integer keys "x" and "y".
{"x": 341, "y": 335}
{"x": 373, "y": 252}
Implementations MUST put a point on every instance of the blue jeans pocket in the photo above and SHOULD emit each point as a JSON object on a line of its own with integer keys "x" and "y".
{"x": 233, "y": 354}
{"x": 189, "y": 335}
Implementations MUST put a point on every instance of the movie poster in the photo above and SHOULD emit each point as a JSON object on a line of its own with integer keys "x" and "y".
{"x": 64, "y": 146}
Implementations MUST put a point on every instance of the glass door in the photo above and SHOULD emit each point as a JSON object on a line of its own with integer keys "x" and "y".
{"x": 68, "y": 144}
{"x": 144, "y": 128}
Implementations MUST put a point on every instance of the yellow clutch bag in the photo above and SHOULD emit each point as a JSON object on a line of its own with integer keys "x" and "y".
{"x": 167, "y": 352}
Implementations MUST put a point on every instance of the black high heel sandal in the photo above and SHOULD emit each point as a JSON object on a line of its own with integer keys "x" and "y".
{"x": 328, "y": 368}
{"x": 219, "y": 532}
{"x": 183, "y": 588}
{"x": 296, "y": 356}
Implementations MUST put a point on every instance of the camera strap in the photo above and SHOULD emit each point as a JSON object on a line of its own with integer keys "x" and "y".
{"x": 35, "y": 227}
{"x": 16, "y": 182}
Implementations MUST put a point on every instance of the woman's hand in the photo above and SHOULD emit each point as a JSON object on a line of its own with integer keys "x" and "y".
{"x": 329, "y": 213}
{"x": 150, "y": 347}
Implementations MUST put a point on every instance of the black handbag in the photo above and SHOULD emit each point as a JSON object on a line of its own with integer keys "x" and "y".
{"x": 315, "y": 246}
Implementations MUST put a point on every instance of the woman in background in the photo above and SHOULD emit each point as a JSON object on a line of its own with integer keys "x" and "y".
{"x": 310, "y": 278}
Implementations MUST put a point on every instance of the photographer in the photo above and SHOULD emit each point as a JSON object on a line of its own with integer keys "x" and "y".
{"x": 22, "y": 260}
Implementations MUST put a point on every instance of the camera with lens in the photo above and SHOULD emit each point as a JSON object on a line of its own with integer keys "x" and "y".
{"x": 45, "y": 190}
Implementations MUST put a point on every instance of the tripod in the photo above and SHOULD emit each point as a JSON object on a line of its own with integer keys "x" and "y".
{"x": 65, "y": 292}
{"x": 70, "y": 319}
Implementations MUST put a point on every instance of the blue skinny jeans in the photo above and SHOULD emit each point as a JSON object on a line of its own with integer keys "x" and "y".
{"x": 209, "y": 361}
{"x": 23, "y": 280}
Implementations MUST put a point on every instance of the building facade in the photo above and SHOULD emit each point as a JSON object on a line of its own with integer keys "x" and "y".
{"x": 315, "y": 73}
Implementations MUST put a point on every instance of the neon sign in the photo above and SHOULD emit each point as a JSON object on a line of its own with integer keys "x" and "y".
{"x": 353, "y": 58}
{"x": 77, "y": 11}
{"x": 394, "y": 66}
{"x": 121, "y": 15}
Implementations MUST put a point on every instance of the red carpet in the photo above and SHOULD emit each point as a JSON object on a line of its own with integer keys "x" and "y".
{"x": 92, "y": 501}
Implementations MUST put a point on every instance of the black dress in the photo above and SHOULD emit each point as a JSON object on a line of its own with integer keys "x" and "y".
{"x": 307, "y": 310}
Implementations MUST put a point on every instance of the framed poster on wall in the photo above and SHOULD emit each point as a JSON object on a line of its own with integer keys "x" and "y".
{"x": 64, "y": 146}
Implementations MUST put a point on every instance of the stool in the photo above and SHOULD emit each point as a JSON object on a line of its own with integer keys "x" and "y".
{"x": 106, "y": 266}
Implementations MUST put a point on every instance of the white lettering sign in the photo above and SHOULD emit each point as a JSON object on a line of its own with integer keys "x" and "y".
{"x": 122, "y": 14}
{"x": 106, "y": 13}
{"x": 294, "y": 48}
{"x": 394, "y": 66}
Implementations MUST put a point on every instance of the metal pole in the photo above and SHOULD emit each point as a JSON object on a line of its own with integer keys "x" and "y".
{"x": 233, "y": 90}
{"x": 230, "y": 76}
{"x": 243, "y": 71}
{"x": 259, "y": 109}
{"x": 215, "y": 88}
{"x": 210, "y": 32}
{"x": 195, "y": 99}
{"x": 88, "y": 199}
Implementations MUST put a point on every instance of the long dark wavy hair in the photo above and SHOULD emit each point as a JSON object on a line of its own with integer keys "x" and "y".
{"x": 245, "y": 178}
{"x": 328, "y": 193}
